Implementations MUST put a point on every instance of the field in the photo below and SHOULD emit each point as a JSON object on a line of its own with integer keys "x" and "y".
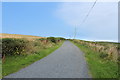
{"x": 4, "y": 35}
{"x": 102, "y": 58}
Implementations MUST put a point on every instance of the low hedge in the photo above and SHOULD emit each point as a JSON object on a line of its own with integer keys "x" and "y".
{"x": 55, "y": 39}
{"x": 12, "y": 46}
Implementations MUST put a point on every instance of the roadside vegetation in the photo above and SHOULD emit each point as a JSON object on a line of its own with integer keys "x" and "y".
{"x": 0, "y": 69}
{"x": 102, "y": 58}
{"x": 18, "y": 53}
{"x": 0, "y": 58}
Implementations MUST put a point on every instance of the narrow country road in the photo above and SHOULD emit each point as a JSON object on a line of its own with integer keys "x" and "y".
{"x": 66, "y": 62}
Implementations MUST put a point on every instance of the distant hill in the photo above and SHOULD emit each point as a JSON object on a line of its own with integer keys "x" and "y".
{"x": 4, "y": 35}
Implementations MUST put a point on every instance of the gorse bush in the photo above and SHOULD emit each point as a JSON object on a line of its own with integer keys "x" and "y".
{"x": 13, "y": 46}
{"x": 60, "y": 38}
{"x": 55, "y": 39}
{"x": 52, "y": 39}
{"x": 42, "y": 39}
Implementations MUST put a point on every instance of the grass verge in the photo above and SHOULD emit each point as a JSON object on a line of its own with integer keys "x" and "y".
{"x": 99, "y": 68}
{"x": 17, "y": 62}
{"x": 0, "y": 69}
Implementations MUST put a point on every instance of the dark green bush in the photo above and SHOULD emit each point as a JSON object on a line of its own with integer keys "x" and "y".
{"x": 52, "y": 39}
{"x": 103, "y": 55}
{"x": 55, "y": 39}
{"x": 12, "y": 46}
{"x": 41, "y": 39}
{"x": 60, "y": 38}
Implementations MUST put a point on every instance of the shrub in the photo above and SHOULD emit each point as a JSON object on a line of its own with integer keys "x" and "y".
{"x": 41, "y": 39}
{"x": 60, "y": 38}
{"x": 0, "y": 48}
{"x": 103, "y": 55}
{"x": 52, "y": 39}
{"x": 12, "y": 46}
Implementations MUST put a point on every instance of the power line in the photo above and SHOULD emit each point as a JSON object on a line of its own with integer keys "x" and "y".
{"x": 85, "y": 18}
{"x": 89, "y": 12}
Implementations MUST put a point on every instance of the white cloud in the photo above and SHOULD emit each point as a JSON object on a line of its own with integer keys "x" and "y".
{"x": 102, "y": 23}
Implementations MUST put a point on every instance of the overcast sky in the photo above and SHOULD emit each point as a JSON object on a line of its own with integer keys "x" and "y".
{"x": 59, "y": 19}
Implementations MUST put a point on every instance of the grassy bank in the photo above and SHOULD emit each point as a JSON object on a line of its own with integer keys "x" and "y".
{"x": 21, "y": 53}
{"x": 0, "y": 69}
{"x": 99, "y": 67}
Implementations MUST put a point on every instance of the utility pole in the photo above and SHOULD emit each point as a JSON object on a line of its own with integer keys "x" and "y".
{"x": 69, "y": 36}
{"x": 75, "y": 32}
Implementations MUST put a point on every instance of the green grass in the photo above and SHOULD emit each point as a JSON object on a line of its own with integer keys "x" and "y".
{"x": 99, "y": 68}
{"x": 14, "y": 63}
{"x": 0, "y": 69}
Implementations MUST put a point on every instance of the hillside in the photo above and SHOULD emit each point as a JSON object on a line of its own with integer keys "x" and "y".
{"x": 4, "y": 35}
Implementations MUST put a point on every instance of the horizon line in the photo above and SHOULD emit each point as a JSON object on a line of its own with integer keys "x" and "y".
{"x": 71, "y": 38}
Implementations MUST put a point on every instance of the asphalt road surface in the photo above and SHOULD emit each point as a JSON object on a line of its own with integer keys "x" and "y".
{"x": 66, "y": 62}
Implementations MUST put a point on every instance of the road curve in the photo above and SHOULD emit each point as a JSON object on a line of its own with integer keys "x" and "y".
{"x": 66, "y": 62}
